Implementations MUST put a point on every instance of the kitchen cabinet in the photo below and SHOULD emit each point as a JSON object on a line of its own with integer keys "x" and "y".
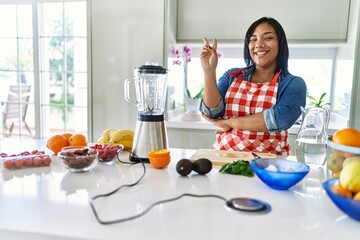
{"x": 303, "y": 21}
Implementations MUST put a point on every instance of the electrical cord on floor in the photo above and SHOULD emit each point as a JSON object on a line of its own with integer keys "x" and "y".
{"x": 133, "y": 184}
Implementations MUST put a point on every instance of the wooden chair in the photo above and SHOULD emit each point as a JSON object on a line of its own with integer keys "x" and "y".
{"x": 16, "y": 108}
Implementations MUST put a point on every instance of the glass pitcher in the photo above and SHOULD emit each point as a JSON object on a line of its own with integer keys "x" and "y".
{"x": 310, "y": 144}
{"x": 150, "y": 88}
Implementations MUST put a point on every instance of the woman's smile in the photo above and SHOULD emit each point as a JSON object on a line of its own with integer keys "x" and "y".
{"x": 261, "y": 53}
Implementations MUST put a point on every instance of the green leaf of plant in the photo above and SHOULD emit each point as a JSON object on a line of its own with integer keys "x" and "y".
{"x": 200, "y": 93}
{"x": 319, "y": 102}
{"x": 322, "y": 96}
{"x": 312, "y": 98}
{"x": 188, "y": 94}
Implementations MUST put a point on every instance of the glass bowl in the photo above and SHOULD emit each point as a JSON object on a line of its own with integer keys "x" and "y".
{"x": 78, "y": 159}
{"x": 280, "y": 174}
{"x": 349, "y": 206}
{"x": 337, "y": 155}
{"x": 107, "y": 152}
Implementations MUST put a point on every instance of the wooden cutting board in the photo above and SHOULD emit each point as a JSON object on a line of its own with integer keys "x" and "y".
{"x": 221, "y": 157}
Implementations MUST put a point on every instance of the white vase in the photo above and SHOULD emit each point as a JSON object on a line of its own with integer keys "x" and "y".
{"x": 192, "y": 110}
{"x": 192, "y": 104}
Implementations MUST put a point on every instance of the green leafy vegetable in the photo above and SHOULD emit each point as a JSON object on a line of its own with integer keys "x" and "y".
{"x": 240, "y": 167}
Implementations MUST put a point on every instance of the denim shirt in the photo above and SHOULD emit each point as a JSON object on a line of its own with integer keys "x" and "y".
{"x": 291, "y": 96}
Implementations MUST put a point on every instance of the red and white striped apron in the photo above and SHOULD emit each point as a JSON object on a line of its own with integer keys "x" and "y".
{"x": 246, "y": 98}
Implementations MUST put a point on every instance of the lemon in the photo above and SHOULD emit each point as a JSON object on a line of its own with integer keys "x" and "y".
{"x": 351, "y": 159}
{"x": 350, "y": 176}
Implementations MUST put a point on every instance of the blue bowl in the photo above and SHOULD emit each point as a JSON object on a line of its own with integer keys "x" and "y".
{"x": 280, "y": 174}
{"x": 349, "y": 206}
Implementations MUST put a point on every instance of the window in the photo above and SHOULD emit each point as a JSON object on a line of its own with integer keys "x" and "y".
{"x": 44, "y": 47}
{"x": 317, "y": 66}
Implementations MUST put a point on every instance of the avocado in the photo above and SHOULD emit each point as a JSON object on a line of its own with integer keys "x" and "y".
{"x": 202, "y": 166}
{"x": 184, "y": 167}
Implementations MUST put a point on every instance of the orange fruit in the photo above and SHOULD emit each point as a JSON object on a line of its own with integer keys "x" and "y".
{"x": 78, "y": 140}
{"x": 159, "y": 158}
{"x": 56, "y": 143}
{"x": 338, "y": 189}
{"x": 67, "y": 135}
{"x": 347, "y": 136}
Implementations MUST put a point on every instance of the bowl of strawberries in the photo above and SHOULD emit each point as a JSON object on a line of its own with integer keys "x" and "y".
{"x": 107, "y": 153}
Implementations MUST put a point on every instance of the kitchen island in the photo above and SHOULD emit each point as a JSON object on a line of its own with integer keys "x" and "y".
{"x": 52, "y": 203}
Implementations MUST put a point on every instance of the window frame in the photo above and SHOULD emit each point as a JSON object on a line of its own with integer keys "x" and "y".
{"x": 39, "y": 121}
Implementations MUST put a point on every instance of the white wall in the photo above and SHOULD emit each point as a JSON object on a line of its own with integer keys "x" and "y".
{"x": 125, "y": 34}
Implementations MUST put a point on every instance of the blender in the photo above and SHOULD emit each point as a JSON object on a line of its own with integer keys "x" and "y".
{"x": 150, "y": 89}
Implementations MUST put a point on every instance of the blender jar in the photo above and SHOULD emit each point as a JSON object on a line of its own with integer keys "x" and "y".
{"x": 150, "y": 87}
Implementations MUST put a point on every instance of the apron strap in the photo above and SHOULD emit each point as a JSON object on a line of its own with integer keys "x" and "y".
{"x": 241, "y": 71}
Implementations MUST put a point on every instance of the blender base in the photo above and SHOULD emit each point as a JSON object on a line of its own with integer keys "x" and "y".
{"x": 134, "y": 158}
{"x": 150, "y": 135}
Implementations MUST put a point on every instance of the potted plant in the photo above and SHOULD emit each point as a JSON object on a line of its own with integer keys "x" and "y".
{"x": 320, "y": 103}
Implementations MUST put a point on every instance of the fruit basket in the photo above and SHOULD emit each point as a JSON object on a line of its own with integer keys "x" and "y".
{"x": 338, "y": 155}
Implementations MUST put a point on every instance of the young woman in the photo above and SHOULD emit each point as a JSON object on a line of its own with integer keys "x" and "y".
{"x": 253, "y": 106}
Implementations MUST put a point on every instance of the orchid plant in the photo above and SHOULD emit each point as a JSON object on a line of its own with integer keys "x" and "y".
{"x": 182, "y": 58}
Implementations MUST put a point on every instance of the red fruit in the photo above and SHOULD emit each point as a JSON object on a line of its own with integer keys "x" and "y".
{"x": 40, "y": 152}
{"x": 3, "y": 155}
{"x": 25, "y": 153}
{"x": 34, "y": 151}
{"x": 28, "y": 161}
{"x": 38, "y": 161}
{"x": 46, "y": 161}
{"x": 8, "y": 164}
{"x": 19, "y": 163}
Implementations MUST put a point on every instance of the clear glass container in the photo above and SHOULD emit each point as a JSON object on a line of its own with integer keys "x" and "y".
{"x": 78, "y": 159}
{"x": 151, "y": 87}
{"x": 310, "y": 144}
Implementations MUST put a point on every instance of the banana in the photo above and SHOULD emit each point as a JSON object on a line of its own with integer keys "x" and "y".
{"x": 127, "y": 144}
{"x": 106, "y": 135}
{"x": 102, "y": 140}
{"x": 124, "y": 137}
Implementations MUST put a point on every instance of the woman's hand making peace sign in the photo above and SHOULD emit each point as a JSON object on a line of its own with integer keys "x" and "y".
{"x": 209, "y": 56}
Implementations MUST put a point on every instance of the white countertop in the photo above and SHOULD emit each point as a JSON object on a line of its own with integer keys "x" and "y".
{"x": 51, "y": 203}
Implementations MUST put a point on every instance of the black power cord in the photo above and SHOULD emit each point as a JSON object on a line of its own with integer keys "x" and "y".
{"x": 133, "y": 184}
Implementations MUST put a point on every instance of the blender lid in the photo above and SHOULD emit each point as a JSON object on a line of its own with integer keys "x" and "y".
{"x": 152, "y": 68}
